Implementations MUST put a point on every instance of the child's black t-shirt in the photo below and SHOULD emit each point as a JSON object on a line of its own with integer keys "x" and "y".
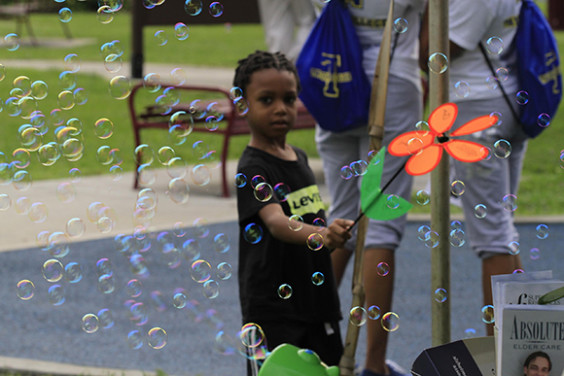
{"x": 266, "y": 263}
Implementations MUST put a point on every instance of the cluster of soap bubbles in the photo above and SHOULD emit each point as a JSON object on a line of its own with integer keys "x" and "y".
{"x": 389, "y": 320}
{"x": 168, "y": 248}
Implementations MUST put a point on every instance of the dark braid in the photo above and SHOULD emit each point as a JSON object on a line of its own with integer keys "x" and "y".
{"x": 260, "y": 60}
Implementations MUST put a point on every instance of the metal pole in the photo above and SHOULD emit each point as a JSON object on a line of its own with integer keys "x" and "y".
{"x": 440, "y": 211}
{"x": 137, "y": 40}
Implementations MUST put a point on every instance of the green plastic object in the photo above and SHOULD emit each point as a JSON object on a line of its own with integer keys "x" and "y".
{"x": 552, "y": 296}
{"x": 289, "y": 360}
{"x": 373, "y": 202}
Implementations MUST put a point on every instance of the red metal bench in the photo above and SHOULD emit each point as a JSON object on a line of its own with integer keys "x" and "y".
{"x": 151, "y": 117}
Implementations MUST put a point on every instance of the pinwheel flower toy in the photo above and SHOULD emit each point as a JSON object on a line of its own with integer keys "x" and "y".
{"x": 426, "y": 147}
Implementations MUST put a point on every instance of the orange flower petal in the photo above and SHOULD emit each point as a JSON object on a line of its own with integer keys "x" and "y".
{"x": 443, "y": 117}
{"x": 466, "y": 151}
{"x": 475, "y": 125}
{"x": 425, "y": 161}
{"x": 410, "y": 143}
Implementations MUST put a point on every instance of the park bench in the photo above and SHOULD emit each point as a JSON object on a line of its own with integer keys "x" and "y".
{"x": 20, "y": 10}
{"x": 145, "y": 116}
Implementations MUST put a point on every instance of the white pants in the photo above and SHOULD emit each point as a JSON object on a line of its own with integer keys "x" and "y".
{"x": 287, "y": 24}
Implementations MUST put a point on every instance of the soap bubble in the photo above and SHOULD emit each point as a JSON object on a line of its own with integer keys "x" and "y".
{"x": 56, "y": 295}
{"x": 422, "y": 197}
{"x": 72, "y": 62}
{"x": 52, "y": 270}
{"x": 178, "y": 191}
{"x": 315, "y": 241}
{"x": 251, "y": 335}
{"x": 438, "y": 63}
{"x": 285, "y": 291}
{"x": 514, "y": 248}
{"x": 494, "y": 45}
{"x": 200, "y": 271}
{"x": 456, "y": 238}
{"x": 390, "y": 321}
{"x": 134, "y": 340}
{"x": 383, "y": 269}
{"x": 317, "y": 278}
{"x": 104, "y": 14}
{"x": 509, "y": 202}
{"x": 216, "y": 9}
{"x": 11, "y": 41}
{"x": 106, "y": 284}
{"x": 441, "y": 295}
{"x": 221, "y": 243}
{"x": 502, "y": 149}
{"x": 522, "y": 97}
{"x": 543, "y": 120}
{"x": 542, "y": 231}
{"x": 65, "y": 15}
{"x": 373, "y": 312}
{"x": 120, "y": 87}
{"x": 157, "y": 338}
{"x": 73, "y": 272}
{"x": 263, "y": 192}
{"x": 462, "y": 89}
{"x": 193, "y": 7}
{"x": 534, "y": 253}
{"x": 457, "y": 188}
{"x": 357, "y": 316}
{"x": 210, "y": 289}
{"x": 480, "y": 211}
{"x": 223, "y": 271}
{"x": 25, "y": 289}
{"x": 134, "y": 288}
{"x": 488, "y": 314}
{"x": 105, "y": 318}
{"x": 253, "y": 233}
{"x": 240, "y": 180}
{"x": 90, "y": 323}
{"x": 346, "y": 172}
{"x": 400, "y": 25}
{"x": 295, "y": 222}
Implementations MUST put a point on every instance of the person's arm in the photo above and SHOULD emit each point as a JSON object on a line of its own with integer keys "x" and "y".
{"x": 455, "y": 50}
{"x": 277, "y": 223}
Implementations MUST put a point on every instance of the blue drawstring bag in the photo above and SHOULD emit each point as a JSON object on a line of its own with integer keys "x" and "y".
{"x": 538, "y": 69}
{"x": 335, "y": 89}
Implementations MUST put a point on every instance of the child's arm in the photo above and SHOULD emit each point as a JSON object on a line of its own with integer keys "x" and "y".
{"x": 277, "y": 223}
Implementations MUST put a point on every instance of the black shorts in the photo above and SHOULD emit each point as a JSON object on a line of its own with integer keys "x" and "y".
{"x": 322, "y": 338}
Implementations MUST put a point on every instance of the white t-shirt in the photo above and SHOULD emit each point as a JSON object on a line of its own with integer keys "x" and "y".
{"x": 369, "y": 18}
{"x": 475, "y": 21}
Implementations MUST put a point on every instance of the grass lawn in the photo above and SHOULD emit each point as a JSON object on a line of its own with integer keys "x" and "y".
{"x": 206, "y": 46}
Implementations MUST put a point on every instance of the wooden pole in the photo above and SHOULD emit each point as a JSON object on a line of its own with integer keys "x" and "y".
{"x": 440, "y": 194}
{"x": 376, "y": 132}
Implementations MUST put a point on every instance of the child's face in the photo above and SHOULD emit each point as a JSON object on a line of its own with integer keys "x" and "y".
{"x": 271, "y": 95}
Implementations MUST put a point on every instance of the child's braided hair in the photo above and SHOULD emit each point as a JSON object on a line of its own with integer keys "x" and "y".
{"x": 260, "y": 60}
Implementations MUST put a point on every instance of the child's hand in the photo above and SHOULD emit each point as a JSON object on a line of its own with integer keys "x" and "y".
{"x": 337, "y": 233}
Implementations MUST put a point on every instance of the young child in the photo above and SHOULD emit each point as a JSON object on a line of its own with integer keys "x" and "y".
{"x": 286, "y": 283}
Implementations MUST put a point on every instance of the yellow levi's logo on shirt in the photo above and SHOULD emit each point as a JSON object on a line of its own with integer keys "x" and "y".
{"x": 331, "y": 75}
{"x": 305, "y": 201}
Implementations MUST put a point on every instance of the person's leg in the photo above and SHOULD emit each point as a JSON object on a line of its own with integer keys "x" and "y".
{"x": 338, "y": 150}
{"x": 277, "y": 23}
{"x": 494, "y": 265}
{"x": 303, "y": 14}
{"x": 492, "y": 233}
{"x": 339, "y": 259}
{"x": 379, "y": 289}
